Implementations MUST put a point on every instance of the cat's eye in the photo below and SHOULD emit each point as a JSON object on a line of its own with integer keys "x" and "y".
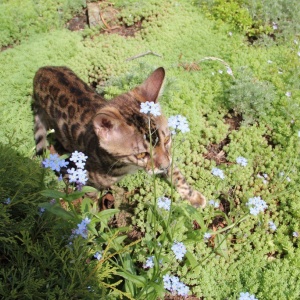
{"x": 167, "y": 140}
{"x": 141, "y": 155}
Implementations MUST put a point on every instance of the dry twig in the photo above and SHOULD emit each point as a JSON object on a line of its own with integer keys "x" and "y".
{"x": 143, "y": 54}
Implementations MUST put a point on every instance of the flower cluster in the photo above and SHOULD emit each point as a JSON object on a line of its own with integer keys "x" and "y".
{"x": 272, "y": 225}
{"x": 79, "y": 175}
{"x": 173, "y": 284}
{"x": 242, "y": 161}
{"x": 178, "y": 123}
{"x": 150, "y": 108}
{"x": 82, "y": 228}
{"x": 247, "y": 296}
{"x": 149, "y": 263}
{"x": 256, "y": 205}
{"x": 218, "y": 172}
{"x": 54, "y": 162}
{"x": 179, "y": 250}
{"x": 164, "y": 202}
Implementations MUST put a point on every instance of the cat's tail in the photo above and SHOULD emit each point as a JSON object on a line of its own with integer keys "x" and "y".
{"x": 40, "y": 132}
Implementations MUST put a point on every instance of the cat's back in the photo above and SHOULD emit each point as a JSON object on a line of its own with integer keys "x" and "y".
{"x": 63, "y": 102}
{"x": 61, "y": 87}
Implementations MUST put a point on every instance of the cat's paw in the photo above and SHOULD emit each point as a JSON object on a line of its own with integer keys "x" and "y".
{"x": 197, "y": 199}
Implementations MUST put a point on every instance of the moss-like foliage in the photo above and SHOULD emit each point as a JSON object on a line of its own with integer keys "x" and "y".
{"x": 239, "y": 99}
{"x": 21, "y": 19}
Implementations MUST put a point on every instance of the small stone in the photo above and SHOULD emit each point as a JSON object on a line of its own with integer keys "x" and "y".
{"x": 93, "y": 14}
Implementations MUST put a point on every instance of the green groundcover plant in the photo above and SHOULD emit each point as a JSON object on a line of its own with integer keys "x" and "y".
{"x": 237, "y": 141}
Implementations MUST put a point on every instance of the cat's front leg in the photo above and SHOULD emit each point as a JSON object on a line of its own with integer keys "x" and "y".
{"x": 185, "y": 191}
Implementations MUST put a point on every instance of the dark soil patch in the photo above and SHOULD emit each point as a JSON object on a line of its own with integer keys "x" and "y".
{"x": 124, "y": 30}
{"x": 224, "y": 204}
{"x": 234, "y": 120}
{"x": 216, "y": 153}
{"x": 270, "y": 141}
{"x": 3, "y": 48}
{"x": 78, "y": 22}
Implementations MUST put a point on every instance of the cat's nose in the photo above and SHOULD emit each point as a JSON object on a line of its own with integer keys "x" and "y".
{"x": 165, "y": 168}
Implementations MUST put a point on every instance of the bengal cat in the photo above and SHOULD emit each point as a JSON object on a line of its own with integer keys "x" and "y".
{"x": 113, "y": 134}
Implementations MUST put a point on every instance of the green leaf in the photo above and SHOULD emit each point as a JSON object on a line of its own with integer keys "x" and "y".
{"x": 74, "y": 196}
{"x": 85, "y": 205}
{"x": 57, "y": 210}
{"x": 106, "y": 213}
{"x": 136, "y": 279}
{"x": 221, "y": 246}
{"x": 193, "y": 214}
{"x": 89, "y": 189}
{"x": 193, "y": 261}
{"x": 53, "y": 194}
{"x": 191, "y": 258}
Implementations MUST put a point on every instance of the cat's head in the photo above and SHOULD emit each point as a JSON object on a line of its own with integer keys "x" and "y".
{"x": 123, "y": 131}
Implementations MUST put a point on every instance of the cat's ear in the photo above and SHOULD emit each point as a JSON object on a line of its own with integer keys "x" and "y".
{"x": 107, "y": 125}
{"x": 151, "y": 87}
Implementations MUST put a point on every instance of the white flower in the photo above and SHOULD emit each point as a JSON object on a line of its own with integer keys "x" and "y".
{"x": 295, "y": 234}
{"x": 220, "y": 71}
{"x": 78, "y": 157}
{"x": 288, "y": 94}
{"x": 272, "y": 225}
{"x": 242, "y": 161}
{"x": 173, "y": 284}
{"x": 299, "y": 133}
{"x": 207, "y": 236}
{"x": 82, "y": 228}
{"x": 218, "y": 172}
{"x": 229, "y": 71}
{"x": 288, "y": 179}
{"x": 98, "y": 255}
{"x": 149, "y": 263}
{"x": 150, "y": 108}
{"x": 86, "y": 221}
{"x": 230, "y": 33}
{"x": 7, "y": 201}
{"x": 214, "y": 203}
{"x": 247, "y": 296}
{"x": 178, "y": 123}
{"x": 275, "y": 26}
{"x": 269, "y": 61}
{"x": 298, "y": 53}
{"x": 164, "y": 202}
{"x": 179, "y": 250}
{"x": 78, "y": 176}
{"x": 167, "y": 282}
{"x": 256, "y": 205}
